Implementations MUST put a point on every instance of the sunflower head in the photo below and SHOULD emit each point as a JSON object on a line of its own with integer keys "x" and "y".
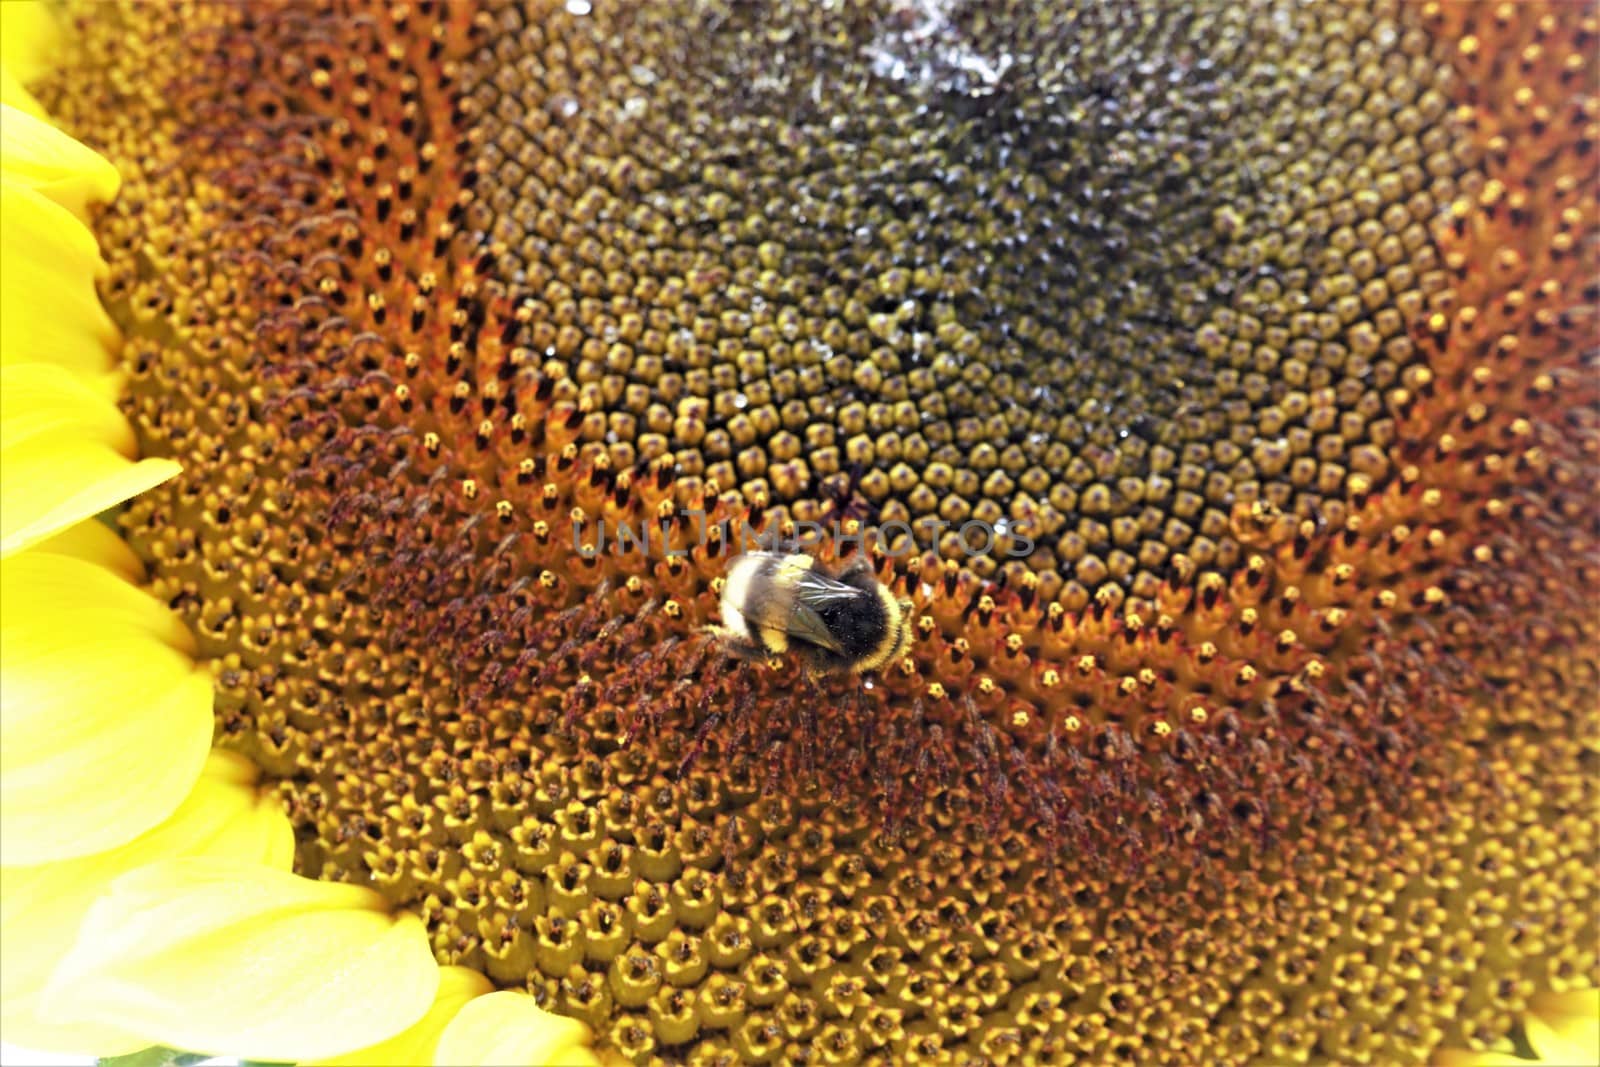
{"x": 1214, "y": 385}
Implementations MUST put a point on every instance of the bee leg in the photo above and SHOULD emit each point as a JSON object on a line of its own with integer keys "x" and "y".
{"x": 735, "y": 644}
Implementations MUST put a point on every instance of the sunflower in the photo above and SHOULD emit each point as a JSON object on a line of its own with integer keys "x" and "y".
{"x": 1217, "y": 384}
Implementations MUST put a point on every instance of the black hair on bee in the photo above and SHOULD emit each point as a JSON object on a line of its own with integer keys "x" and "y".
{"x": 776, "y": 602}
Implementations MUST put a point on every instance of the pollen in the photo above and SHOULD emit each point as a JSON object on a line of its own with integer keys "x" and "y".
{"x": 1251, "y": 348}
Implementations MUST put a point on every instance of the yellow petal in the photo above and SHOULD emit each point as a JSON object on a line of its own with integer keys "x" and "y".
{"x": 47, "y": 487}
{"x": 1565, "y": 1028}
{"x": 1581, "y": 1003}
{"x": 65, "y": 454}
{"x": 49, "y": 310}
{"x": 42, "y": 907}
{"x": 64, "y": 597}
{"x": 48, "y": 400}
{"x": 54, "y": 165}
{"x": 28, "y": 37}
{"x": 507, "y": 1028}
{"x": 104, "y": 721}
{"x": 97, "y": 543}
{"x": 12, "y": 92}
{"x": 244, "y": 960}
{"x": 31, "y": 1032}
{"x": 457, "y": 985}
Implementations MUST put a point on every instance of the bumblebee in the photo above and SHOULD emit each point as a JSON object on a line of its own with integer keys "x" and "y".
{"x": 773, "y": 602}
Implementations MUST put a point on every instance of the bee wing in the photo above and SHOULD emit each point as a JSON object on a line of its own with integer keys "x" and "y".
{"x": 812, "y": 593}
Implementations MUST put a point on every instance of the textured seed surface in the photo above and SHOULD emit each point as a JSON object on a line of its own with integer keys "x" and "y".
{"x": 1270, "y": 328}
